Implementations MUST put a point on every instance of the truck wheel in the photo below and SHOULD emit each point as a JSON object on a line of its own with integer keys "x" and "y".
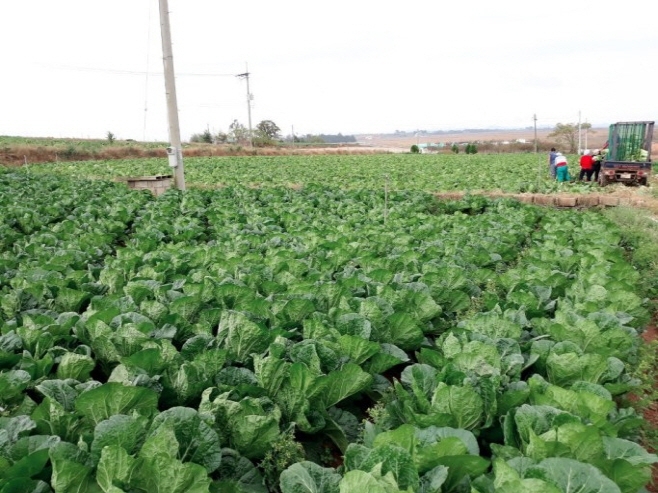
{"x": 603, "y": 181}
{"x": 643, "y": 181}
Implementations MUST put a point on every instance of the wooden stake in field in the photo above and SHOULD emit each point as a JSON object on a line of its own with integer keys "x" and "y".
{"x": 385, "y": 198}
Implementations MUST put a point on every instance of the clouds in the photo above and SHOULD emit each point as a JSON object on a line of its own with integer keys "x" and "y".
{"x": 78, "y": 67}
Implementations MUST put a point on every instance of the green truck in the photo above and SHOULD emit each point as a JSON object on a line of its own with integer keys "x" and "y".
{"x": 627, "y": 154}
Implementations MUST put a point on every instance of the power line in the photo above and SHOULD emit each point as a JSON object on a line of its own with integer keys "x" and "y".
{"x": 131, "y": 72}
{"x": 146, "y": 82}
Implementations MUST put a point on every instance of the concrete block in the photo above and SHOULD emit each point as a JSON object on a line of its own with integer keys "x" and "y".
{"x": 608, "y": 200}
{"x": 588, "y": 200}
{"x": 544, "y": 200}
{"x": 562, "y": 201}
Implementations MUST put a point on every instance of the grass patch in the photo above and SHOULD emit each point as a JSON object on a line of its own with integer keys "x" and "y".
{"x": 640, "y": 237}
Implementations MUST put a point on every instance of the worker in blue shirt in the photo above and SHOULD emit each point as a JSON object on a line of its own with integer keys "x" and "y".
{"x": 551, "y": 162}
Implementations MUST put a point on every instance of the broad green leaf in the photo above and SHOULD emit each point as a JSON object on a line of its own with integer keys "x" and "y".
{"x": 388, "y": 457}
{"x": 127, "y": 432}
{"x": 270, "y": 372}
{"x": 75, "y": 366}
{"x": 23, "y": 485}
{"x": 162, "y": 474}
{"x": 432, "y": 480}
{"x": 433, "y": 434}
{"x": 347, "y": 381}
{"x": 388, "y": 357}
{"x": 354, "y": 324}
{"x": 240, "y": 336}
{"x": 197, "y": 442}
{"x": 115, "y": 465}
{"x": 238, "y": 475}
{"x": 618, "y": 448}
{"x": 308, "y": 477}
{"x": 572, "y": 476}
{"x": 362, "y": 481}
{"x": 427, "y": 457}
{"x": 463, "y": 404}
{"x": 461, "y": 466}
{"x": 297, "y": 309}
{"x": 357, "y": 349}
{"x": 70, "y": 474}
{"x": 114, "y": 398}
{"x": 400, "y": 329}
{"x": 12, "y": 385}
{"x": 403, "y": 436}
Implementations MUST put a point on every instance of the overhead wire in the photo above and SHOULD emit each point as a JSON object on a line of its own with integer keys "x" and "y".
{"x": 133, "y": 72}
{"x": 146, "y": 81}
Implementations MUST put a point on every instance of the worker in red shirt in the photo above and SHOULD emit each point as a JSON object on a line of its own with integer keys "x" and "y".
{"x": 586, "y": 166}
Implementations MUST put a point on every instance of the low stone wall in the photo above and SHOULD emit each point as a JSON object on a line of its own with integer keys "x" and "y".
{"x": 555, "y": 200}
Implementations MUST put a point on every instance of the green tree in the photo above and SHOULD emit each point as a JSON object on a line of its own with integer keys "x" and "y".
{"x": 471, "y": 148}
{"x": 237, "y": 132}
{"x": 566, "y": 134}
{"x": 110, "y": 137}
{"x": 415, "y": 149}
{"x": 267, "y": 130}
{"x": 455, "y": 148}
{"x": 203, "y": 137}
{"x": 221, "y": 138}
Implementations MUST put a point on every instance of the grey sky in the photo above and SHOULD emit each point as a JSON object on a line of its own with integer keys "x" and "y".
{"x": 77, "y": 68}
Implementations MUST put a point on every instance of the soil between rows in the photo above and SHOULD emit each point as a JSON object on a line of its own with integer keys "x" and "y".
{"x": 651, "y": 413}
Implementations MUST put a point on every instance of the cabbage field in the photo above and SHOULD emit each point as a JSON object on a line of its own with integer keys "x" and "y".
{"x": 324, "y": 339}
{"x": 442, "y": 172}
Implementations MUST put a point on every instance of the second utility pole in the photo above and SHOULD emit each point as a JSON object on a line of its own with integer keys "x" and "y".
{"x": 249, "y": 97}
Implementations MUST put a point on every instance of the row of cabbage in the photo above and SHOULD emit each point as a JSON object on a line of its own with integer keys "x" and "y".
{"x": 56, "y": 234}
{"x": 444, "y": 172}
{"x": 465, "y": 346}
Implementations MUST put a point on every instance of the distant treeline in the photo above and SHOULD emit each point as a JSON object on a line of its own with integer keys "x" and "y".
{"x": 337, "y": 139}
{"x": 461, "y": 130}
{"x": 321, "y": 138}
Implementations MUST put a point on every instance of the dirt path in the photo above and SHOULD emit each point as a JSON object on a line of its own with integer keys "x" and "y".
{"x": 651, "y": 413}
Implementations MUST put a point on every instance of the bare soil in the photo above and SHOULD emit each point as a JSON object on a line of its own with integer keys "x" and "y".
{"x": 18, "y": 155}
{"x": 596, "y": 138}
{"x": 651, "y": 413}
{"x": 639, "y": 197}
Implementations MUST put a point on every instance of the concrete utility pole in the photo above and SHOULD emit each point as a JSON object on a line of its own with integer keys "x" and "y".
{"x": 586, "y": 132}
{"x": 579, "y": 141}
{"x": 539, "y": 163}
{"x": 249, "y": 98}
{"x": 175, "y": 152}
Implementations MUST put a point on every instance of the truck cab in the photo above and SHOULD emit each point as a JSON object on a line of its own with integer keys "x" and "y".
{"x": 627, "y": 155}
